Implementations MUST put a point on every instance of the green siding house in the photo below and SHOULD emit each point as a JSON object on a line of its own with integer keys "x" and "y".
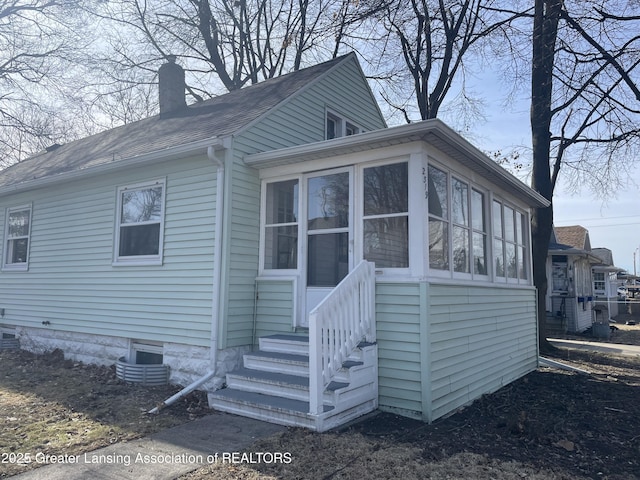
{"x": 280, "y": 248}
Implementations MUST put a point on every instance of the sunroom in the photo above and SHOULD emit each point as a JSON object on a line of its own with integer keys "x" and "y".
{"x": 404, "y": 198}
{"x": 408, "y": 242}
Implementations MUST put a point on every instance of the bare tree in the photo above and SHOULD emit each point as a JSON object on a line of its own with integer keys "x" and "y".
{"x": 585, "y": 106}
{"x": 439, "y": 39}
{"x": 224, "y": 44}
{"x": 38, "y": 45}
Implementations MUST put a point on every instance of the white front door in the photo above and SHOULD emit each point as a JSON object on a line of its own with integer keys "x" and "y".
{"x": 328, "y": 242}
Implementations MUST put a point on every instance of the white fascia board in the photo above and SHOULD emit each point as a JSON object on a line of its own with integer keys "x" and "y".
{"x": 433, "y": 132}
{"x": 138, "y": 160}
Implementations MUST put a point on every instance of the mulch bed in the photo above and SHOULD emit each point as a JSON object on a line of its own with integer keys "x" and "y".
{"x": 575, "y": 425}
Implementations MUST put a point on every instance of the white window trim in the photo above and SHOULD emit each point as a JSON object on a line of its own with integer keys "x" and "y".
{"x": 17, "y": 267}
{"x": 599, "y": 291}
{"x": 357, "y": 192}
{"x": 277, "y": 272}
{"x": 489, "y": 197}
{"x": 139, "y": 260}
{"x": 140, "y": 346}
{"x": 383, "y": 272}
{"x": 526, "y": 234}
{"x": 342, "y": 121}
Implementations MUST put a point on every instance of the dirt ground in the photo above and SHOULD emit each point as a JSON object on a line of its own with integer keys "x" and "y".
{"x": 56, "y": 406}
{"x": 551, "y": 424}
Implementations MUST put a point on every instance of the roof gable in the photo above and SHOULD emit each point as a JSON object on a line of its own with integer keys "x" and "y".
{"x": 575, "y": 236}
{"x": 214, "y": 118}
{"x": 603, "y": 254}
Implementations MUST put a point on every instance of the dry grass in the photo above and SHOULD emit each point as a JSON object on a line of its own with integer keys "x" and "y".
{"x": 54, "y": 406}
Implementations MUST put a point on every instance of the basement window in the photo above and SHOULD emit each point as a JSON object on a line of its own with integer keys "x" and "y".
{"x": 144, "y": 366}
{"x": 147, "y": 354}
{"x": 7, "y": 333}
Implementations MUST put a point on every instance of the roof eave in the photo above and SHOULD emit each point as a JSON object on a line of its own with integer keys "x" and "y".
{"x": 433, "y": 131}
{"x": 137, "y": 160}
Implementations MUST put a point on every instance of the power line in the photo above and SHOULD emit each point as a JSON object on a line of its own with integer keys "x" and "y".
{"x": 615, "y": 225}
{"x": 602, "y": 218}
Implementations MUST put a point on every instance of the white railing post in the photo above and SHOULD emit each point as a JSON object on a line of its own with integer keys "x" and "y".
{"x": 336, "y": 327}
{"x": 316, "y": 380}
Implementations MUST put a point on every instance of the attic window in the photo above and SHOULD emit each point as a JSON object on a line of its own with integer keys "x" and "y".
{"x": 337, "y": 126}
{"x": 140, "y": 223}
{"x": 18, "y": 231}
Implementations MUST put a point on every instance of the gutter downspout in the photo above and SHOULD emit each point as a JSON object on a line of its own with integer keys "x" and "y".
{"x": 217, "y": 154}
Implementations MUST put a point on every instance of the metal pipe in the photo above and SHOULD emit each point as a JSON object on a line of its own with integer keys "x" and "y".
{"x": 562, "y": 366}
{"x": 214, "y": 154}
{"x": 182, "y": 393}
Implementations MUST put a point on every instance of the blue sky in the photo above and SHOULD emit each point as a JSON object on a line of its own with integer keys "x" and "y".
{"x": 613, "y": 223}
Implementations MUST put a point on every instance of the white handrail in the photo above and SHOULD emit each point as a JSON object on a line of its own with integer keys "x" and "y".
{"x": 339, "y": 323}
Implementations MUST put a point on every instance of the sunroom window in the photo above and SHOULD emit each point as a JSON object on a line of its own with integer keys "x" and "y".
{"x": 386, "y": 216}
{"x": 509, "y": 242}
{"x": 478, "y": 232}
{"x": 140, "y": 222}
{"x": 18, "y": 232}
{"x": 281, "y": 225}
{"x": 438, "y": 219}
{"x": 457, "y": 225}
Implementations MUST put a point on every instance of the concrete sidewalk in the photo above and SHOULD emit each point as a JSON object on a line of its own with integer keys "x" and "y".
{"x": 612, "y": 348}
{"x": 164, "y": 455}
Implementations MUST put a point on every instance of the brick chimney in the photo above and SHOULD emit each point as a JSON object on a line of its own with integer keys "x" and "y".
{"x": 171, "y": 87}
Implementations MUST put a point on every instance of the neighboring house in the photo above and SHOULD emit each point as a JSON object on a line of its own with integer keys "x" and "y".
{"x": 193, "y": 237}
{"x": 605, "y": 282}
{"x": 570, "y": 296}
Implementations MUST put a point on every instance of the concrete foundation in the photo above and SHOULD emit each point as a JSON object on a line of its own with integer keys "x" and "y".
{"x": 187, "y": 363}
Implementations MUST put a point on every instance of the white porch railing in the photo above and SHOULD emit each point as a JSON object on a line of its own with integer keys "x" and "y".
{"x": 337, "y": 325}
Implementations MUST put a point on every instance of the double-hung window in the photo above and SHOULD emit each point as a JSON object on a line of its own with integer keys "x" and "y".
{"x": 140, "y": 223}
{"x": 599, "y": 283}
{"x": 17, "y": 234}
{"x": 386, "y": 215}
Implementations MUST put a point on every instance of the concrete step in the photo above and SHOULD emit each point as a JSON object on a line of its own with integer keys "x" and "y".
{"x": 294, "y": 387}
{"x": 285, "y": 343}
{"x": 278, "y": 362}
{"x": 268, "y": 408}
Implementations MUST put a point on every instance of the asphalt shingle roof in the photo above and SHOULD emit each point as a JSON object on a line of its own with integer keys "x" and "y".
{"x": 575, "y": 236}
{"x": 217, "y": 117}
